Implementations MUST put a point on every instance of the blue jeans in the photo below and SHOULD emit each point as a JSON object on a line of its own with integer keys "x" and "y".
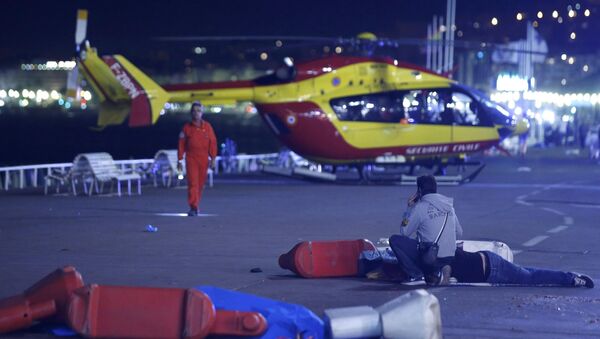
{"x": 505, "y": 272}
{"x": 407, "y": 253}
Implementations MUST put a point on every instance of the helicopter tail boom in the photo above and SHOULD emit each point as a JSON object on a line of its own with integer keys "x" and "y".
{"x": 123, "y": 89}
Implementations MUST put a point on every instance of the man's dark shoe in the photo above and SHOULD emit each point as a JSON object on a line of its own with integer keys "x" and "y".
{"x": 192, "y": 212}
{"x": 441, "y": 277}
{"x": 434, "y": 278}
{"x": 582, "y": 280}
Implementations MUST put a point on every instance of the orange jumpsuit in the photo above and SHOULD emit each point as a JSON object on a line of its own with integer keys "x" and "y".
{"x": 198, "y": 143}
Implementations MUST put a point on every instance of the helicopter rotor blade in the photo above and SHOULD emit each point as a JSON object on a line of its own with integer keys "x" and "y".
{"x": 245, "y": 38}
{"x": 356, "y": 41}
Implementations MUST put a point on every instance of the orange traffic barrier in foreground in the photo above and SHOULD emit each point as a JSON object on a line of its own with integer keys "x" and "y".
{"x": 17, "y": 313}
{"x": 319, "y": 259}
{"x": 143, "y": 312}
{"x": 48, "y": 298}
{"x": 239, "y": 323}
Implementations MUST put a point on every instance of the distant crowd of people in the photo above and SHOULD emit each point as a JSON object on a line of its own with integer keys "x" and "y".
{"x": 583, "y": 135}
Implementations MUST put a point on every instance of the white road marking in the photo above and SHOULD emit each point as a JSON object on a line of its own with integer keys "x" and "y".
{"x": 568, "y": 220}
{"x": 541, "y": 187}
{"x": 558, "y": 229}
{"x": 515, "y": 252}
{"x": 585, "y": 206}
{"x": 535, "y": 240}
{"x": 552, "y": 210}
{"x": 521, "y": 200}
{"x": 183, "y": 215}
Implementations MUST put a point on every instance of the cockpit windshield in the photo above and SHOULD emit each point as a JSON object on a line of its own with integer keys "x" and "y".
{"x": 497, "y": 107}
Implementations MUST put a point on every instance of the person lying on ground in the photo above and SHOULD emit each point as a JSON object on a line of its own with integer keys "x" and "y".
{"x": 488, "y": 267}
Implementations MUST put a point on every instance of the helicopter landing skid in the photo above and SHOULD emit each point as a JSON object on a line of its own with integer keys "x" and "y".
{"x": 446, "y": 180}
{"x": 399, "y": 174}
{"x": 460, "y": 176}
{"x": 300, "y": 172}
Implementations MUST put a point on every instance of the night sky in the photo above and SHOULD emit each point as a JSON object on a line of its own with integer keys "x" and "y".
{"x": 45, "y": 29}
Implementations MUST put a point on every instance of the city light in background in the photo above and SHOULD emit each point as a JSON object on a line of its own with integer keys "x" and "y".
{"x": 41, "y": 97}
{"x": 50, "y": 66}
{"x": 568, "y": 65}
{"x": 535, "y": 59}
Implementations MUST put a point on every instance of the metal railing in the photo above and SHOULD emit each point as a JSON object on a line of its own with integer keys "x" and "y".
{"x": 20, "y": 177}
{"x": 243, "y": 163}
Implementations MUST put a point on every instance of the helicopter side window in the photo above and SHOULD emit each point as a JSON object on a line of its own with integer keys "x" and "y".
{"x": 469, "y": 111}
{"x": 438, "y": 107}
{"x": 464, "y": 110}
{"x": 412, "y": 104}
{"x": 381, "y": 107}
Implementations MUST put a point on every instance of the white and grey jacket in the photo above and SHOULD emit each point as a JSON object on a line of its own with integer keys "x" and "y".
{"x": 426, "y": 218}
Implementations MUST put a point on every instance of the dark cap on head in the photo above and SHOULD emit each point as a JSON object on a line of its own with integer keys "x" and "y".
{"x": 427, "y": 184}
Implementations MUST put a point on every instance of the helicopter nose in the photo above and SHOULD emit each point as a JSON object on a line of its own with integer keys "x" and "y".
{"x": 521, "y": 127}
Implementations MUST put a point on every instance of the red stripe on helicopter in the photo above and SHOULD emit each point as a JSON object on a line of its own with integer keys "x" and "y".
{"x": 209, "y": 85}
{"x": 312, "y": 135}
{"x": 141, "y": 110}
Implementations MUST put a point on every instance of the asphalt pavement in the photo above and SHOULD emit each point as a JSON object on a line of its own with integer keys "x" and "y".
{"x": 546, "y": 207}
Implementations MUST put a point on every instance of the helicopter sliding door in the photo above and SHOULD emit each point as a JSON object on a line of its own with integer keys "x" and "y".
{"x": 390, "y": 120}
{"x": 470, "y": 125}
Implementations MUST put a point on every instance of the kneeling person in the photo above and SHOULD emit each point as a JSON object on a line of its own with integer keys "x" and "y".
{"x": 428, "y": 215}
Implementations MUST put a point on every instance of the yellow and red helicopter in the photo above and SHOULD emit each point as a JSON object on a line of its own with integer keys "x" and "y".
{"x": 335, "y": 110}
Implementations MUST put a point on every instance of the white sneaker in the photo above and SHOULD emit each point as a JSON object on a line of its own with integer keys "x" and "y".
{"x": 414, "y": 282}
{"x": 582, "y": 280}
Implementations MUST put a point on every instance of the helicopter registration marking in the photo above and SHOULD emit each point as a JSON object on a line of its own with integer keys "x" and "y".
{"x": 125, "y": 80}
{"x": 471, "y": 147}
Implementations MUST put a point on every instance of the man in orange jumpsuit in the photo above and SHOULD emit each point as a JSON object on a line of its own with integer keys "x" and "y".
{"x": 198, "y": 142}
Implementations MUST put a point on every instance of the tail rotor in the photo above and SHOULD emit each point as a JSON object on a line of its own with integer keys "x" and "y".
{"x": 80, "y": 34}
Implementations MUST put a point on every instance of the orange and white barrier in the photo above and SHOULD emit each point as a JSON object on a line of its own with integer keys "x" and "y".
{"x": 97, "y": 311}
{"x": 46, "y": 300}
{"x": 321, "y": 259}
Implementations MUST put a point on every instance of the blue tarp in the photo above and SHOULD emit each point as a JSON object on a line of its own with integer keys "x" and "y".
{"x": 284, "y": 320}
